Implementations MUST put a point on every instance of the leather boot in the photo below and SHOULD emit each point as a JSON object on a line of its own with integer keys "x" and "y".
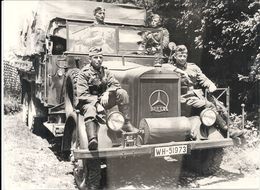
{"x": 221, "y": 122}
{"x": 91, "y": 129}
{"x": 235, "y": 132}
{"x": 128, "y": 127}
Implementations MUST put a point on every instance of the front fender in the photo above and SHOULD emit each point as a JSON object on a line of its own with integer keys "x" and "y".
{"x": 200, "y": 132}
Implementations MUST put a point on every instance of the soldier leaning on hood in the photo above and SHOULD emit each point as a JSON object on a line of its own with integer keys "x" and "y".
{"x": 195, "y": 79}
{"x": 96, "y": 87}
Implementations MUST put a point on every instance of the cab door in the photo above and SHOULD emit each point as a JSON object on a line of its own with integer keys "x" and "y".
{"x": 55, "y": 75}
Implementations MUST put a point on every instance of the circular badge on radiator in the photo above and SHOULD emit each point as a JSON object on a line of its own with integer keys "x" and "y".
{"x": 159, "y": 101}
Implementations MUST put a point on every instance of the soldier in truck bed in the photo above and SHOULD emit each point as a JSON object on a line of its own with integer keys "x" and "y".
{"x": 194, "y": 79}
{"x": 155, "y": 41}
{"x": 99, "y": 14}
{"x": 98, "y": 88}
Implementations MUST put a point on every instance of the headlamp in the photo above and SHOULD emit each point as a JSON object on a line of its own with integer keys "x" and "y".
{"x": 115, "y": 121}
{"x": 208, "y": 117}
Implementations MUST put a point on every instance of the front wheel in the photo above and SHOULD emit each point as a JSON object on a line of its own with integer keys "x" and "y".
{"x": 205, "y": 162}
{"x": 87, "y": 172}
{"x": 31, "y": 115}
{"x": 29, "y": 111}
{"x": 25, "y": 108}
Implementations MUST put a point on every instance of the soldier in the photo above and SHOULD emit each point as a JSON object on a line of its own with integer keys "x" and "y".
{"x": 99, "y": 14}
{"x": 193, "y": 74}
{"x": 195, "y": 79}
{"x": 97, "y": 86}
{"x": 158, "y": 40}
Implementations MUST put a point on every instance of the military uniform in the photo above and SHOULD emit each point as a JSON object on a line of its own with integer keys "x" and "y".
{"x": 96, "y": 85}
{"x": 195, "y": 81}
{"x": 196, "y": 78}
{"x": 91, "y": 84}
{"x": 157, "y": 42}
{"x": 195, "y": 97}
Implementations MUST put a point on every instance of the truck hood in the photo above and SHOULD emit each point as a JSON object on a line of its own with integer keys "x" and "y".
{"x": 120, "y": 66}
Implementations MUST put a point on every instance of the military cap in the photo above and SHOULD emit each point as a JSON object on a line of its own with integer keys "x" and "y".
{"x": 181, "y": 49}
{"x": 99, "y": 8}
{"x": 95, "y": 51}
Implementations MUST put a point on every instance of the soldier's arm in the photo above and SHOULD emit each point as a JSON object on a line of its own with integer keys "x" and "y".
{"x": 165, "y": 40}
{"x": 205, "y": 81}
{"x": 113, "y": 83}
{"x": 180, "y": 71}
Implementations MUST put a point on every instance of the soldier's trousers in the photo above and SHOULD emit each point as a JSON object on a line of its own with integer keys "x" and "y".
{"x": 118, "y": 97}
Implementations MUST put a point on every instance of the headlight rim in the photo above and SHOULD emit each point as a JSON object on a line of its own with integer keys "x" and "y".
{"x": 202, "y": 115}
{"x": 109, "y": 117}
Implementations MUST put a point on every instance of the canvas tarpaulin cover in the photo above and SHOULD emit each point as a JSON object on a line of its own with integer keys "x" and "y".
{"x": 33, "y": 31}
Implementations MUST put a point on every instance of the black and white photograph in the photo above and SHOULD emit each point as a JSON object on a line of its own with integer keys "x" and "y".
{"x": 130, "y": 94}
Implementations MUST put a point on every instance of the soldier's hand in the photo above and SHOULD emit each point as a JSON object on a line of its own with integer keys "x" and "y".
{"x": 104, "y": 98}
{"x": 212, "y": 88}
{"x": 195, "y": 102}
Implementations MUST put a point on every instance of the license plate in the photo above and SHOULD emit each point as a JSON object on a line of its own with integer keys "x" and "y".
{"x": 170, "y": 150}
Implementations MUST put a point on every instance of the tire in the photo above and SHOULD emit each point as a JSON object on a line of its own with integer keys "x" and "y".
{"x": 87, "y": 172}
{"x": 205, "y": 162}
{"x": 29, "y": 111}
{"x": 25, "y": 108}
{"x": 31, "y": 115}
{"x": 71, "y": 91}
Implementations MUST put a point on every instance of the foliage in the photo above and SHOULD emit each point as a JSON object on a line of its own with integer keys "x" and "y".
{"x": 246, "y": 157}
{"x": 12, "y": 85}
{"x": 225, "y": 31}
{"x": 12, "y": 89}
{"x": 222, "y": 33}
{"x": 221, "y": 27}
{"x": 11, "y": 105}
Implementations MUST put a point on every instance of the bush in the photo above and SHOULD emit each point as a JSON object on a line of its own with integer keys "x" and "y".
{"x": 11, "y": 105}
{"x": 244, "y": 158}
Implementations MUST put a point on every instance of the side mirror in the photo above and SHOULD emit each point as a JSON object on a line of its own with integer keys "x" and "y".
{"x": 172, "y": 46}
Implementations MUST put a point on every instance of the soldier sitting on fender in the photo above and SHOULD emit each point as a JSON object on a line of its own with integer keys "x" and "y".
{"x": 97, "y": 87}
{"x": 195, "y": 79}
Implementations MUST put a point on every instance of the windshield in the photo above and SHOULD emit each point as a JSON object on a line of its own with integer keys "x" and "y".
{"x": 112, "y": 39}
{"x": 83, "y": 37}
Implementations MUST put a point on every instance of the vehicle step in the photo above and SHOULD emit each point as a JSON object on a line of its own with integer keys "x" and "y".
{"x": 56, "y": 129}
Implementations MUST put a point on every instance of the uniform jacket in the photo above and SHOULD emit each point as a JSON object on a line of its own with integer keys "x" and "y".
{"x": 197, "y": 78}
{"x": 161, "y": 35}
{"x": 91, "y": 84}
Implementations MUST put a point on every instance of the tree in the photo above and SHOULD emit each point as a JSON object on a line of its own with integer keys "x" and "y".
{"x": 225, "y": 31}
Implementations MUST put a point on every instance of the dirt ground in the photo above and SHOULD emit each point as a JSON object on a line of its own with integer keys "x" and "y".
{"x": 31, "y": 161}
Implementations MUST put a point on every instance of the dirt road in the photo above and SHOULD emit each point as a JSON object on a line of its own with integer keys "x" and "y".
{"x": 32, "y": 162}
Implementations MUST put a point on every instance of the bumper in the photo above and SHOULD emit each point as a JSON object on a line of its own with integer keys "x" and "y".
{"x": 148, "y": 149}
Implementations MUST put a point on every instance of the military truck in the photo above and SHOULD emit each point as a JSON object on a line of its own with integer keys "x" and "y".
{"x": 56, "y": 41}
